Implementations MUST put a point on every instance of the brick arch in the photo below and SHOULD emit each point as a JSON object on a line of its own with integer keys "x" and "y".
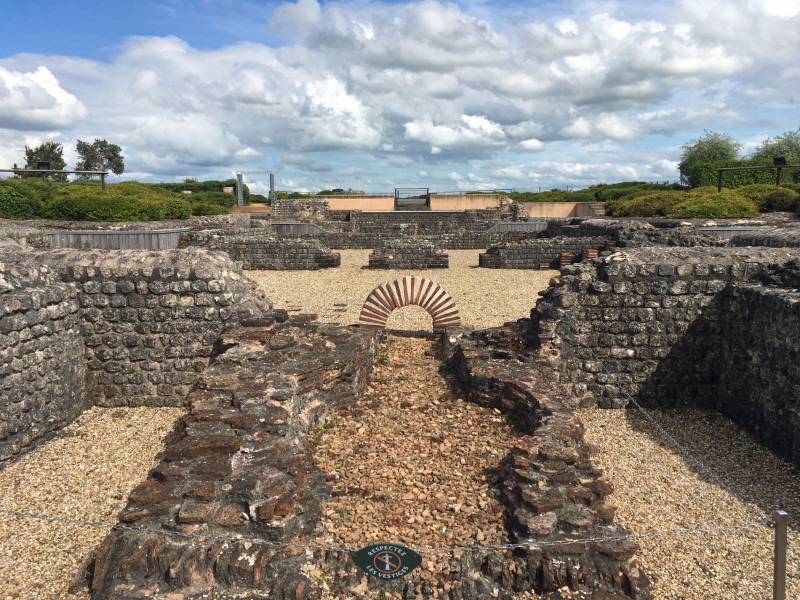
{"x": 409, "y": 290}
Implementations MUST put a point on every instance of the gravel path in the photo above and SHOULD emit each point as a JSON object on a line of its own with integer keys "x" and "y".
{"x": 484, "y": 297}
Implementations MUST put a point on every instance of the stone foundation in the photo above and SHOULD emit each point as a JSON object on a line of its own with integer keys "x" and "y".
{"x": 256, "y": 249}
{"x": 42, "y": 385}
{"x": 532, "y": 253}
{"x": 115, "y": 327}
{"x": 675, "y": 327}
{"x": 412, "y": 253}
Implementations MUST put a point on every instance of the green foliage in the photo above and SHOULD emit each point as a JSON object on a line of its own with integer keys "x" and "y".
{"x": 209, "y": 209}
{"x": 18, "y": 201}
{"x": 177, "y": 208}
{"x": 259, "y": 199}
{"x": 595, "y": 193}
{"x": 781, "y": 199}
{"x": 756, "y": 192}
{"x": 99, "y": 156}
{"x": 726, "y": 204}
{"x": 786, "y": 145}
{"x": 51, "y": 152}
{"x": 654, "y": 204}
{"x": 291, "y": 195}
{"x": 711, "y": 147}
{"x": 705, "y": 173}
{"x": 699, "y": 203}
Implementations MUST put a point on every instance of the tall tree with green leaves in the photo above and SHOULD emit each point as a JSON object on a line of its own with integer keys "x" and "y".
{"x": 51, "y": 152}
{"x": 786, "y": 145}
{"x": 99, "y": 156}
{"x": 710, "y": 147}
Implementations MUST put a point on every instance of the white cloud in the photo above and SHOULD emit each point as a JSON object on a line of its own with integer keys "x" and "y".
{"x": 474, "y": 130}
{"x": 532, "y": 144}
{"x": 401, "y": 85}
{"x": 35, "y": 101}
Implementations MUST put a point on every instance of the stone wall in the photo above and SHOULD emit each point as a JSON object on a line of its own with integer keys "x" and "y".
{"x": 667, "y": 326}
{"x": 257, "y": 249}
{"x": 551, "y": 490}
{"x": 42, "y": 385}
{"x": 531, "y": 253}
{"x": 236, "y": 466}
{"x": 410, "y": 253}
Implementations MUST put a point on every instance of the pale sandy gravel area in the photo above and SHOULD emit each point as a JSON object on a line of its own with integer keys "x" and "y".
{"x": 484, "y": 297}
{"x": 84, "y": 474}
{"x": 657, "y": 489}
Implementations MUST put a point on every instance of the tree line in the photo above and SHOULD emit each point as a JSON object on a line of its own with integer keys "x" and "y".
{"x": 98, "y": 155}
{"x": 712, "y": 147}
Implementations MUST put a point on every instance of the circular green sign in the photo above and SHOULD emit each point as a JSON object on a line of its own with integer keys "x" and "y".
{"x": 387, "y": 561}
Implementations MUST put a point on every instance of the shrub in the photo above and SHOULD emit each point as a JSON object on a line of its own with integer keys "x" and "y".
{"x": 726, "y": 204}
{"x": 209, "y": 209}
{"x": 176, "y": 208}
{"x": 704, "y": 174}
{"x": 655, "y": 204}
{"x": 18, "y": 201}
{"x": 781, "y": 199}
{"x": 756, "y": 192}
{"x": 218, "y": 198}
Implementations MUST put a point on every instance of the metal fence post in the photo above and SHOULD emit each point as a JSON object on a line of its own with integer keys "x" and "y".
{"x": 779, "y": 573}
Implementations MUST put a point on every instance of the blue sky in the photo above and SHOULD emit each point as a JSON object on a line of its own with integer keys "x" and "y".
{"x": 374, "y": 95}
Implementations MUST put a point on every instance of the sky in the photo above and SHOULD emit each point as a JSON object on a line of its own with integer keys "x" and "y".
{"x": 368, "y": 95}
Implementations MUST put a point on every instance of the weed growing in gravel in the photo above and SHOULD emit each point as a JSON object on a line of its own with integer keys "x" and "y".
{"x": 382, "y": 358}
{"x": 325, "y": 425}
{"x": 324, "y": 332}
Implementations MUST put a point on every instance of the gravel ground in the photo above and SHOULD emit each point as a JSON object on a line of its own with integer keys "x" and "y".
{"x": 657, "y": 489}
{"x": 88, "y": 472}
{"x": 484, "y": 297}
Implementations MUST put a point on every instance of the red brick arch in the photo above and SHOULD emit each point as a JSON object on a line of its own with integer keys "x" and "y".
{"x": 409, "y": 290}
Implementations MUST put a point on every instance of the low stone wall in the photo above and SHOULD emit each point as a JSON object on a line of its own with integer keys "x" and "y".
{"x": 42, "y": 379}
{"x": 408, "y": 254}
{"x": 257, "y": 249}
{"x": 551, "y": 489}
{"x": 236, "y": 466}
{"x": 531, "y": 253}
{"x": 667, "y": 326}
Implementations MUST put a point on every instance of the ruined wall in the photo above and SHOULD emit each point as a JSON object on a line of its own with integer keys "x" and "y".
{"x": 258, "y": 249}
{"x": 42, "y": 385}
{"x": 681, "y": 327}
{"x": 531, "y": 253}
{"x": 237, "y": 467}
{"x": 412, "y": 253}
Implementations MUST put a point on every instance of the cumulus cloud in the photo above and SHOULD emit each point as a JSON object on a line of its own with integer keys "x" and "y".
{"x": 421, "y": 85}
{"x": 36, "y": 101}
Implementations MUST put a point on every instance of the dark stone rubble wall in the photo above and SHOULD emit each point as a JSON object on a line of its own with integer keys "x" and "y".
{"x": 236, "y": 466}
{"x": 42, "y": 385}
{"x": 257, "y": 249}
{"x": 530, "y": 254}
{"x": 683, "y": 327}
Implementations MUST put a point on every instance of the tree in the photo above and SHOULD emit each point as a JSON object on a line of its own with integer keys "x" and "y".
{"x": 787, "y": 145}
{"x": 99, "y": 156}
{"x": 51, "y": 152}
{"x": 711, "y": 147}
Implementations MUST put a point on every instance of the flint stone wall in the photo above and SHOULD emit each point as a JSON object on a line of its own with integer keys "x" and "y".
{"x": 42, "y": 386}
{"x": 683, "y": 327}
{"x": 257, "y": 249}
{"x": 408, "y": 254}
{"x": 531, "y": 253}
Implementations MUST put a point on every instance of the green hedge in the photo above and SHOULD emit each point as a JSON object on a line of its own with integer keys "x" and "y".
{"x": 703, "y": 202}
{"x": 706, "y": 173}
{"x": 596, "y": 193}
{"x": 18, "y": 201}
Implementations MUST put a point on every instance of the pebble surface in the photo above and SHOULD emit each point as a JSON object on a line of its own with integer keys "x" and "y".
{"x": 484, "y": 297}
